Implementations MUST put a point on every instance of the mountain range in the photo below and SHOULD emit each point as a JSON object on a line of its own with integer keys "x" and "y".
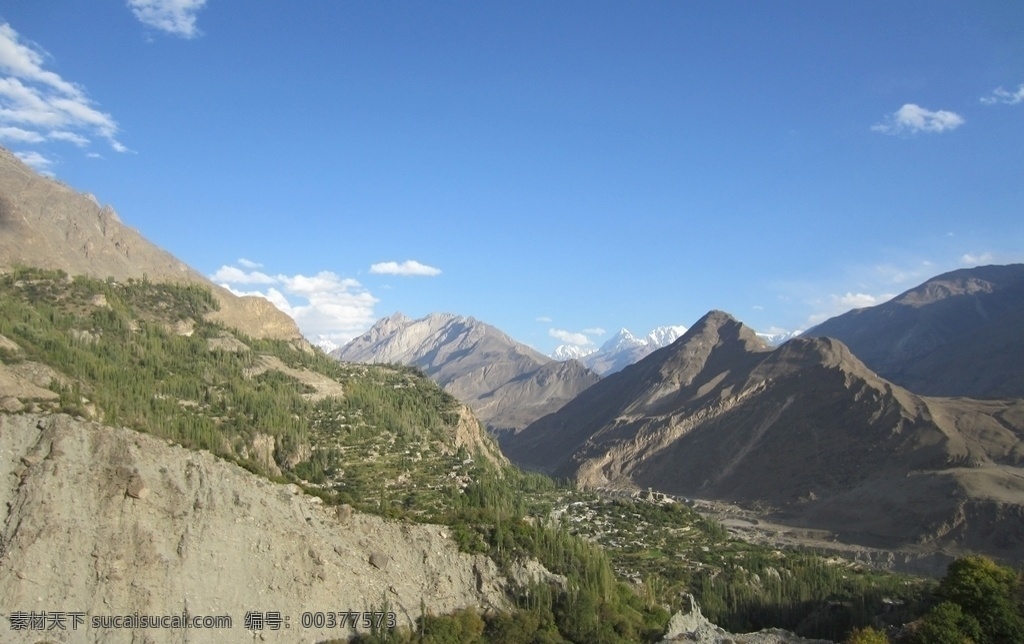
{"x": 624, "y": 348}
{"x": 619, "y": 351}
{"x": 957, "y": 334}
{"x": 100, "y": 330}
{"x": 507, "y": 384}
{"x": 805, "y": 432}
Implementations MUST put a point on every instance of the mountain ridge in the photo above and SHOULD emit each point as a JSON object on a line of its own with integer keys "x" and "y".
{"x": 934, "y": 338}
{"x": 806, "y": 431}
{"x": 46, "y": 224}
{"x": 507, "y": 384}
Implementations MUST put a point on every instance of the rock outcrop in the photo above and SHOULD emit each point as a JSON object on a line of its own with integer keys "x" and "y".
{"x": 691, "y": 626}
{"x": 109, "y": 522}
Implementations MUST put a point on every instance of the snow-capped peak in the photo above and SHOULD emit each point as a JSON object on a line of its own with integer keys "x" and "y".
{"x": 622, "y": 340}
{"x": 778, "y": 336}
{"x": 571, "y": 352}
{"x": 325, "y": 344}
{"x": 664, "y": 335}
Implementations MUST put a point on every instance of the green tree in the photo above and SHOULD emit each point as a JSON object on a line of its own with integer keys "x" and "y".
{"x": 947, "y": 624}
{"x": 988, "y": 593}
{"x": 867, "y": 635}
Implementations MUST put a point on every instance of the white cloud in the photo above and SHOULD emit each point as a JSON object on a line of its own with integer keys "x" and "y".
{"x": 18, "y": 135}
{"x": 70, "y": 137}
{"x": 248, "y": 263}
{"x": 36, "y": 160}
{"x": 325, "y": 306}
{"x": 967, "y": 259}
{"x": 838, "y": 304}
{"x": 569, "y": 337}
{"x": 406, "y": 268}
{"x": 233, "y": 275}
{"x": 1000, "y": 95}
{"x": 594, "y": 331}
{"x": 34, "y": 100}
{"x": 911, "y": 119}
{"x": 542, "y": 318}
{"x": 176, "y": 17}
{"x": 859, "y": 300}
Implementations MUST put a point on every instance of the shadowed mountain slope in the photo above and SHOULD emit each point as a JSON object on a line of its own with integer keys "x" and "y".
{"x": 507, "y": 384}
{"x": 806, "y": 431}
{"x": 958, "y": 334}
{"x": 46, "y": 224}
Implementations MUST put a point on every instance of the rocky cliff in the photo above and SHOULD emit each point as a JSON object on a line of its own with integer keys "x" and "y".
{"x": 107, "y": 521}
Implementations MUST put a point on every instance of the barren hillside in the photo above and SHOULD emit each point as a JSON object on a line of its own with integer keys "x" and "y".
{"x": 112, "y": 522}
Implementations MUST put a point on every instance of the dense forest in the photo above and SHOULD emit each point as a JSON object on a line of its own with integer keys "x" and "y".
{"x": 382, "y": 438}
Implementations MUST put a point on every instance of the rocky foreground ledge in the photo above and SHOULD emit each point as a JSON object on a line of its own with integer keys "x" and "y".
{"x": 693, "y": 627}
{"x": 103, "y": 523}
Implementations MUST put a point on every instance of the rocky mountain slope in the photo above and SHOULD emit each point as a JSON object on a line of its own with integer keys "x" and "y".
{"x": 113, "y": 522}
{"x": 46, "y": 224}
{"x": 957, "y": 334}
{"x": 507, "y": 384}
{"x": 805, "y": 431}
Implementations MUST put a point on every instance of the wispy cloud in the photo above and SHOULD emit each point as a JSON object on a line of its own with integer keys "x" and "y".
{"x": 176, "y": 17}
{"x": 969, "y": 259}
{"x": 543, "y": 319}
{"x": 248, "y": 263}
{"x": 594, "y": 331}
{"x": 407, "y": 268}
{"x": 38, "y": 106}
{"x": 325, "y": 306}
{"x": 36, "y": 160}
{"x": 18, "y": 135}
{"x": 902, "y": 274}
{"x": 836, "y": 304}
{"x": 1000, "y": 95}
{"x": 911, "y": 119}
{"x": 570, "y": 337}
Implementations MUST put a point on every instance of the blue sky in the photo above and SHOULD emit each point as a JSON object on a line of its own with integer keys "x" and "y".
{"x": 557, "y": 169}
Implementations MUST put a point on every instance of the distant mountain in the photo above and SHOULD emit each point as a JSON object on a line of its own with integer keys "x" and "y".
{"x": 806, "y": 431}
{"x": 326, "y": 345}
{"x": 571, "y": 352}
{"x": 508, "y": 384}
{"x": 958, "y": 334}
{"x": 776, "y": 339}
{"x": 665, "y": 335}
{"x": 621, "y": 350}
{"x": 46, "y": 224}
